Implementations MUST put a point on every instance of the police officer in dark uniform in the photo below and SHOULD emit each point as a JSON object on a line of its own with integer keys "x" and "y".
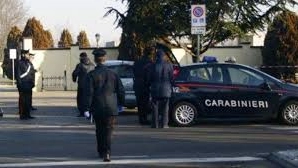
{"x": 80, "y": 73}
{"x": 141, "y": 88}
{"x": 160, "y": 82}
{"x": 25, "y": 82}
{"x": 104, "y": 93}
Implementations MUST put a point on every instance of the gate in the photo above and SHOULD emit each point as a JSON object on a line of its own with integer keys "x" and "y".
{"x": 54, "y": 82}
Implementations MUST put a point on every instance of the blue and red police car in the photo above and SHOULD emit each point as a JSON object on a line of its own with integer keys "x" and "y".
{"x": 230, "y": 90}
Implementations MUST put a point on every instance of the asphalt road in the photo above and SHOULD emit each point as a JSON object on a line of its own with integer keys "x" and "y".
{"x": 57, "y": 138}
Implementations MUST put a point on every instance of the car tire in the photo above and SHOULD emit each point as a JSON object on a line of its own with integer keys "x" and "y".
{"x": 184, "y": 114}
{"x": 289, "y": 113}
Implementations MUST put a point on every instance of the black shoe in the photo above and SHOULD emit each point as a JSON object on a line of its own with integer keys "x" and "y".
{"x": 107, "y": 158}
{"x": 33, "y": 108}
{"x": 30, "y": 117}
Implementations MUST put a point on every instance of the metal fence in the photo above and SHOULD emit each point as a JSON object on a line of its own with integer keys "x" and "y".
{"x": 54, "y": 82}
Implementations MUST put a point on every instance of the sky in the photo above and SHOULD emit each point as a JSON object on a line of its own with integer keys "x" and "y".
{"x": 77, "y": 15}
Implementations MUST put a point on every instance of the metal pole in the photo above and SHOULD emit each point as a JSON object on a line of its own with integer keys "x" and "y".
{"x": 198, "y": 52}
{"x": 12, "y": 72}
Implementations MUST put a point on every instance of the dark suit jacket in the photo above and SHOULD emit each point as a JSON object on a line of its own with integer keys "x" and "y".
{"x": 161, "y": 79}
{"x": 104, "y": 92}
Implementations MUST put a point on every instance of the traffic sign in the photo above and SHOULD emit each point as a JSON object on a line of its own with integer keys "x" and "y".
{"x": 198, "y": 30}
{"x": 12, "y": 53}
{"x": 198, "y": 15}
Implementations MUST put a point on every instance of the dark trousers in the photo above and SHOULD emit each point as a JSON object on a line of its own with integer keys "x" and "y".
{"x": 104, "y": 128}
{"x": 80, "y": 100}
{"x": 160, "y": 116}
{"x": 24, "y": 103}
{"x": 31, "y": 100}
{"x": 144, "y": 107}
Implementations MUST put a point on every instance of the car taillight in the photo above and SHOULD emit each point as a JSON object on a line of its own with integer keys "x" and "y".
{"x": 176, "y": 71}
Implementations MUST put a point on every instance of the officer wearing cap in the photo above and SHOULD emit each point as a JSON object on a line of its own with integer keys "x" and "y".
{"x": 25, "y": 82}
{"x": 104, "y": 93}
{"x": 80, "y": 74}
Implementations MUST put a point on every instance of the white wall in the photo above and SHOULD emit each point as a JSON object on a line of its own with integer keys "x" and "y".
{"x": 53, "y": 63}
{"x": 182, "y": 56}
{"x": 244, "y": 54}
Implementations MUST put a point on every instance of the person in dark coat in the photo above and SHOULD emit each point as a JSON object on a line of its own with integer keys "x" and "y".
{"x": 25, "y": 82}
{"x": 80, "y": 74}
{"x": 105, "y": 92}
{"x": 140, "y": 86}
{"x": 160, "y": 82}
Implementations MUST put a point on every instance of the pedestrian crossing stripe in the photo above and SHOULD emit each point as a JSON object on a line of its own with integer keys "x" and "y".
{"x": 134, "y": 161}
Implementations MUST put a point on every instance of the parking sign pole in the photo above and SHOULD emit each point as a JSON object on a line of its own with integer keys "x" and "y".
{"x": 12, "y": 72}
{"x": 198, "y": 24}
{"x": 13, "y": 56}
{"x": 198, "y": 52}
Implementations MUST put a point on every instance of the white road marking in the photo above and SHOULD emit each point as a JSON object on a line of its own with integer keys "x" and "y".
{"x": 284, "y": 127}
{"x": 133, "y": 161}
{"x": 292, "y": 129}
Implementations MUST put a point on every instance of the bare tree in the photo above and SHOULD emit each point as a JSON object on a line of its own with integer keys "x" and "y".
{"x": 12, "y": 13}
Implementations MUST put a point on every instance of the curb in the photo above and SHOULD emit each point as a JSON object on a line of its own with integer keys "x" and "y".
{"x": 286, "y": 159}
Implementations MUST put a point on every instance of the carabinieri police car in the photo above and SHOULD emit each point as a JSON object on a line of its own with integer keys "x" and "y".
{"x": 230, "y": 90}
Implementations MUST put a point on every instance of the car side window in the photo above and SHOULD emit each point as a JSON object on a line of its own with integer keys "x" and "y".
{"x": 216, "y": 74}
{"x": 198, "y": 75}
{"x": 245, "y": 77}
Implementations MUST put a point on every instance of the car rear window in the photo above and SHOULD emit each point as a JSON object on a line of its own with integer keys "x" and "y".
{"x": 124, "y": 71}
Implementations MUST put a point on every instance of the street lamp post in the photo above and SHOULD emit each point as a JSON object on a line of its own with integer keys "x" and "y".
{"x": 97, "y": 37}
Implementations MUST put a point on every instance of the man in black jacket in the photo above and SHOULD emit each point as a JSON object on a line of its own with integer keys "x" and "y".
{"x": 142, "y": 92}
{"x": 25, "y": 82}
{"x": 160, "y": 82}
{"x": 80, "y": 73}
{"x": 104, "y": 93}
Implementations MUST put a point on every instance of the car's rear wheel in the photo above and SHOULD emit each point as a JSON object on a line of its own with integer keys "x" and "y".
{"x": 184, "y": 114}
{"x": 289, "y": 113}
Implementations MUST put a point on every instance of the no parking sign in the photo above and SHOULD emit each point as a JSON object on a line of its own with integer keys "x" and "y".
{"x": 198, "y": 19}
{"x": 198, "y": 15}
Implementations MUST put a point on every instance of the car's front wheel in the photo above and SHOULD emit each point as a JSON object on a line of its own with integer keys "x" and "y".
{"x": 289, "y": 113}
{"x": 184, "y": 114}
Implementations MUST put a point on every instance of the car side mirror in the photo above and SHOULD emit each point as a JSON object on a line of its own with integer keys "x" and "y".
{"x": 266, "y": 86}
